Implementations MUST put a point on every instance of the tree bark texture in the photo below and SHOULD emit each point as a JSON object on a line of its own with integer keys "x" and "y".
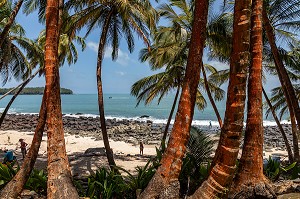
{"x": 285, "y": 81}
{"x": 165, "y": 182}
{"x": 250, "y": 170}
{"x": 211, "y": 99}
{"x": 10, "y": 22}
{"x": 286, "y": 142}
{"x": 295, "y": 137}
{"x": 15, "y": 186}
{"x": 59, "y": 183}
{"x": 109, "y": 152}
{"x": 224, "y": 164}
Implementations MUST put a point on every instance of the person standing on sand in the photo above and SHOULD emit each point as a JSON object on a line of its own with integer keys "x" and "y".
{"x": 23, "y": 147}
{"x": 141, "y": 148}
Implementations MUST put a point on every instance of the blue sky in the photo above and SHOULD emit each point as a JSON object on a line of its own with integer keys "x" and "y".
{"x": 118, "y": 76}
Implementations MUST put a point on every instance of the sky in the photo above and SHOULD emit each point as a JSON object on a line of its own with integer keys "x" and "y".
{"x": 117, "y": 76}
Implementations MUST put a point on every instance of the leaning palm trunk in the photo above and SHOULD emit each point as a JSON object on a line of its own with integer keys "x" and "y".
{"x": 10, "y": 22}
{"x": 109, "y": 152}
{"x": 285, "y": 81}
{"x": 11, "y": 90}
{"x": 286, "y": 142}
{"x": 295, "y": 137}
{"x": 59, "y": 183}
{"x": 15, "y": 186}
{"x": 250, "y": 181}
{"x": 163, "y": 141}
{"x": 15, "y": 96}
{"x": 211, "y": 98}
{"x": 164, "y": 183}
{"x": 224, "y": 163}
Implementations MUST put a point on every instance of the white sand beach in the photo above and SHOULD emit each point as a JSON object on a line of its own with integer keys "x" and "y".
{"x": 126, "y": 154}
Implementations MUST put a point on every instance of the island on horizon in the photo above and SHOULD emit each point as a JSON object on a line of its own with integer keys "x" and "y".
{"x": 34, "y": 91}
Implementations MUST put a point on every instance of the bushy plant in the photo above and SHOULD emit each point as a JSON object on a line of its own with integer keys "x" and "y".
{"x": 7, "y": 172}
{"x": 273, "y": 169}
{"x": 195, "y": 166}
{"x": 106, "y": 184}
{"x": 37, "y": 182}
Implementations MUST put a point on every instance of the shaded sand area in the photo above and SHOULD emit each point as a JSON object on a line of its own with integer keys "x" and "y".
{"x": 85, "y": 153}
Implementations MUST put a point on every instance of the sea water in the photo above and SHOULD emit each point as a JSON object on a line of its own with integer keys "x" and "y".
{"x": 119, "y": 106}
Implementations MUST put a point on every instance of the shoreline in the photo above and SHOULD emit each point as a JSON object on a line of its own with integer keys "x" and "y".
{"x": 134, "y": 131}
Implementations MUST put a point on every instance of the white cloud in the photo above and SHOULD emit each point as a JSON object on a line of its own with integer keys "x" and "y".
{"x": 120, "y": 73}
{"x": 123, "y": 58}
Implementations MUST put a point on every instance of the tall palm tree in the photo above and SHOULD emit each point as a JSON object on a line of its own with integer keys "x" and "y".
{"x": 67, "y": 51}
{"x": 166, "y": 176}
{"x": 224, "y": 162}
{"x": 115, "y": 19}
{"x": 250, "y": 182}
{"x": 287, "y": 20}
{"x": 59, "y": 183}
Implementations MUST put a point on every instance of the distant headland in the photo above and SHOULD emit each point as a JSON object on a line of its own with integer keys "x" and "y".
{"x": 34, "y": 91}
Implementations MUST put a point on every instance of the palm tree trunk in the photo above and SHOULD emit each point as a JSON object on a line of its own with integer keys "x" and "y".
{"x": 59, "y": 183}
{"x": 109, "y": 152}
{"x": 285, "y": 81}
{"x": 211, "y": 98}
{"x": 163, "y": 141}
{"x": 295, "y": 137}
{"x": 15, "y": 186}
{"x": 10, "y": 22}
{"x": 224, "y": 163}
{"x": 15, "y": 96}
{"x": 286, "y": 142}
{"x": 250, "y": 181}
{"x": 164, "y": 183}
{"x": 11, "y": 90}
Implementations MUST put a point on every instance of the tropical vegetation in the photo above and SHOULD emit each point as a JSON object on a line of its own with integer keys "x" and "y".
{"x": 184, "y": 41}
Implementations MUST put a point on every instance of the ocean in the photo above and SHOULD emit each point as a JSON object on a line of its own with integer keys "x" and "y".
{"x": 119, "y": 106}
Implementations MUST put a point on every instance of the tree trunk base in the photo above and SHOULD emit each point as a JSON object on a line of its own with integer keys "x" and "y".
{"x": 159, "y": 189}
{"x": 260, "y": 190}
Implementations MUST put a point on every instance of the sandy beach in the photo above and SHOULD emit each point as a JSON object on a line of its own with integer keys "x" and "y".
{"x": 82, "y": 162}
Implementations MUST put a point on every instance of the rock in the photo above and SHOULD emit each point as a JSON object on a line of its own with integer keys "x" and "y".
{"x": 289, "y": 196}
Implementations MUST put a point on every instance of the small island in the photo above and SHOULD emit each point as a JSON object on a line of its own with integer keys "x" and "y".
{"x": 35, "y": 91}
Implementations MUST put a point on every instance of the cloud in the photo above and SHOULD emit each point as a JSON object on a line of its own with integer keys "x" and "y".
{"x": 123, "y": 58}
{"x": 120, "y": 73}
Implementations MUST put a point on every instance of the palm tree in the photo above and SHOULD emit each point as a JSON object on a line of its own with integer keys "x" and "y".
{"x": 67, "y": 51}
{"x": 10, "y": 21}
{"x": 223, "y": 165}
{"x": 285, "y": 19}
{"x": 114, "y": 18}
{"x": 250, "y": 182}
{"x": 286, "y": 142}
{"x": 13, "y": 62}
{"x": 59, "y": 175}
{"x": 166, "y": 176}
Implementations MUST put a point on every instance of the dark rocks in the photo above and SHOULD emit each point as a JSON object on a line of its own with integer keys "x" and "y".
{"x": 130, "y": 131}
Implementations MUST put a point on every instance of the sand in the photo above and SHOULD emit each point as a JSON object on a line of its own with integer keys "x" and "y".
{"x": 126, "y": 155}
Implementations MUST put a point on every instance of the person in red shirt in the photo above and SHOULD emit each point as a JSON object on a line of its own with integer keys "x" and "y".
{"x": 23, "y": 147}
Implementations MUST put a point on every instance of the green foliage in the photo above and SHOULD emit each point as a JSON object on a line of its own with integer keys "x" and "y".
{"x": 273, "y": 169}
{"x": 195, "y": 166}
{"x": 105, "y": 184}
{"x": 34, "y": 91}
{"x": 138, "y": 182}
{"x": 7, "y": 172}
{"x": 37, "y": 182}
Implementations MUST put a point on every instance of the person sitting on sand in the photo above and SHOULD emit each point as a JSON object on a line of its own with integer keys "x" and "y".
{"x": 141, "y": 148}
{"x": 23, "y": 147}
{"x": 8, "y": 156}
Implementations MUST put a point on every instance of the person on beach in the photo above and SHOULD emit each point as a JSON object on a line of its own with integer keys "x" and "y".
{"x": 8, "y": 156}
{"x": 23, "y": 147}
{"x": 210, "y": 125}
{"x": 141, "y": 148}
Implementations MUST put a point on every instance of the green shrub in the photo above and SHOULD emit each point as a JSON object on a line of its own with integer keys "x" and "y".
{"x": 37, "y": 182}
{"x": 273, "y": 169}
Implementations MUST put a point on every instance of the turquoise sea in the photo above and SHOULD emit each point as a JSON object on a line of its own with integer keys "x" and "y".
{"x": 120, "y": 106}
